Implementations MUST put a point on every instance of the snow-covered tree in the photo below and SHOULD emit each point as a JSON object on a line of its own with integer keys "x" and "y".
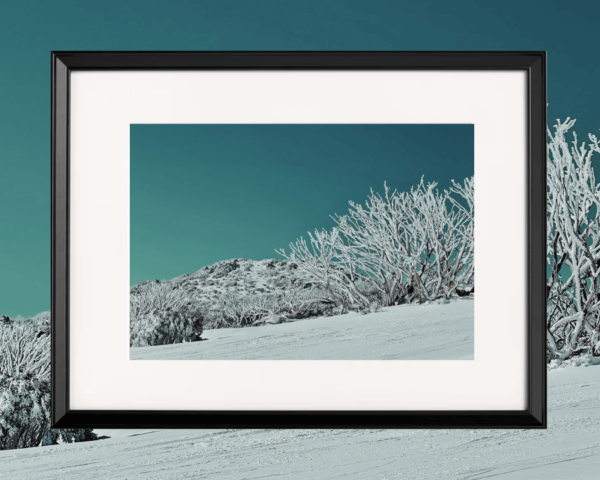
{"x": 25, "y": 390}
{"x": 406, "y": 246}
{"x": 573, "y": 245}
{"x": 445, "y": 226}
{"x": 320, "y": 259}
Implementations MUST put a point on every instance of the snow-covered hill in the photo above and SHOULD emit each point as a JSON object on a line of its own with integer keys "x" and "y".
{"x": 411, "y": 332}
{"x": 230, "y": 293}
{"x": 239, "y": 277}
{"x": 568, "y": 449}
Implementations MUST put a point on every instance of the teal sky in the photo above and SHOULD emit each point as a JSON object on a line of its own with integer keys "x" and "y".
{"x": 30, "y": 29}
{"x": 204, "y": 193}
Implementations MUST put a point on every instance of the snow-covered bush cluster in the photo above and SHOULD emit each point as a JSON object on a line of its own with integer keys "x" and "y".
{"x": 162, "y": 327}
{"x": 161, "y": 314}
{"x": 25, "y": 387}
{"x": 573, "y": 246}
{"x": 400, "y": 247}
{"x": 242, "y": 311}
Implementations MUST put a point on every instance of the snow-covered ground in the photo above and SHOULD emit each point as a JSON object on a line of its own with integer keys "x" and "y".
{"x": 568, "y": 449}
{"x": 411, "y": 332}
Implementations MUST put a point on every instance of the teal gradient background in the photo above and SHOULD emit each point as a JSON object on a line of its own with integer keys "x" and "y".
{"x": 29, "y": 30}
{"x": 204, "y": 193}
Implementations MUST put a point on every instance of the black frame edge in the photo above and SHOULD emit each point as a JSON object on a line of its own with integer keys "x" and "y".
{"x": 535, "y": 415}
{"x": 537, "y": 375}
{"x": 60, "y": 240}
{"x": 299, "y": 419}
{"x": 277, "y": 60}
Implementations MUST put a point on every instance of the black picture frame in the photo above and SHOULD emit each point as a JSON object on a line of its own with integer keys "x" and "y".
{"x": 533, "y": 63}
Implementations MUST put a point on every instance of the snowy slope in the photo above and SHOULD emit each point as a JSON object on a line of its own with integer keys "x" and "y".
{"x": 569, "y": 449}
{"x": 432, "y": 332}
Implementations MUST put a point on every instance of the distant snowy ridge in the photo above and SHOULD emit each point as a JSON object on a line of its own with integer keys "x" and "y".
{"x": 239, "y": 277}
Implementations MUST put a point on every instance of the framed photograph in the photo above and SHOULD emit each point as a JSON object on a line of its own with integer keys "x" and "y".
{"x": 289, "y": 239}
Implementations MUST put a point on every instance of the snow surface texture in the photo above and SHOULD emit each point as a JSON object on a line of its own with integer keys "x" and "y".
{"x": 569, "y": 449}
{"x": 405, "y": 332}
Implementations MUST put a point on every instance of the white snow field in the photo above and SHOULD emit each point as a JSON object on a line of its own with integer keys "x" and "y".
{"x": 406, "y": 332}
{"x": 568, "y": 449}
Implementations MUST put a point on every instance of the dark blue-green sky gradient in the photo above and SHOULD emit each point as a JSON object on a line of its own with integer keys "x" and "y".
{"x": 30, "y": 29}
{"x": 204, "y": 193}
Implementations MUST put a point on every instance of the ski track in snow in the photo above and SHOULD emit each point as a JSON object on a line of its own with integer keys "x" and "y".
{"x": 569, "y": 449}
{"x": 411, "y": 332}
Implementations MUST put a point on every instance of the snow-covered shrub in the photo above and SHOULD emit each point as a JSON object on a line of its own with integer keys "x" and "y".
{"x": 25, "y": 390}
{"x": 161, "y": 314}
{"x": 24, "y": 410}
{"x": 24, "y": 353}
{"x": 156, "y": 295}
{"x": 400, "y": 247}
{"x": 241, "y": 311}
{"x": 573, "y": 245}
{"x": 236, "y": 311}
{"x": 303, "y": 302}
{"x": 371, "y": 292}
{"x": 213, "y": 317}
{"x": 163, "y": 327}
{"x": 40, "y": 322}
